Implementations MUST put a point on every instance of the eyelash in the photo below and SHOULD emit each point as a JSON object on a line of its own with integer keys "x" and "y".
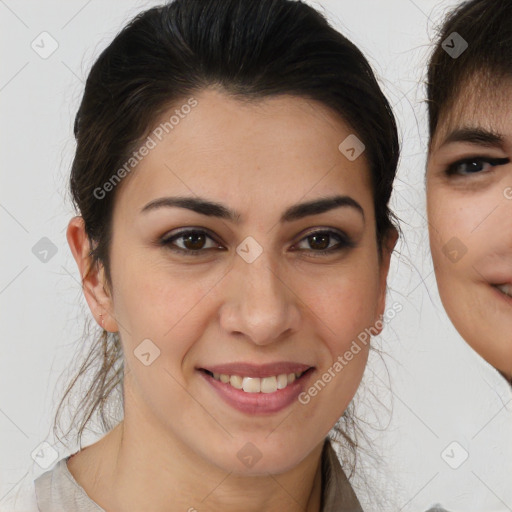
{"x": 344, "y": 242}
{"x": 493, "y": 162}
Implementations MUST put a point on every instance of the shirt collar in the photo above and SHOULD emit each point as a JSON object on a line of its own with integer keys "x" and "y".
{"x": 337, "y": 493}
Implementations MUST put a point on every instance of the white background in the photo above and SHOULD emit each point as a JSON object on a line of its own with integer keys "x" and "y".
{"x": 440, "y": 391}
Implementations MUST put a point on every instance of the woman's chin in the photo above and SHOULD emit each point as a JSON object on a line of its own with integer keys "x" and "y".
{"x": 261, "y": 457}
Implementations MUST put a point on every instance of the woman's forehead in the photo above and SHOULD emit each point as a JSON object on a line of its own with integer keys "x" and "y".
{"x": 286, "y": 144}
{"x": 218, "y": 110}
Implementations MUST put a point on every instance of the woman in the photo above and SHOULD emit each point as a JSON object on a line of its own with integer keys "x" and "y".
{"x": 469, "y": 175}
{"x": 232, "y": 174}
{"x": 469, "y": 184}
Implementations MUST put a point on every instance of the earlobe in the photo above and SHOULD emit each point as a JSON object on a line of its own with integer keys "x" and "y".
{"x": 92, "y": 276}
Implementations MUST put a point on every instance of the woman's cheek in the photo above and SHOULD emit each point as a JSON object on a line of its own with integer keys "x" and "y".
{"x": 348, "y": 309}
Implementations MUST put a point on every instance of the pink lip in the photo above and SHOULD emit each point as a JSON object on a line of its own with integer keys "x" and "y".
{"x": 502, "y": 295}
{"x": 254, "y": 370}
{"x": 258, "y": 403}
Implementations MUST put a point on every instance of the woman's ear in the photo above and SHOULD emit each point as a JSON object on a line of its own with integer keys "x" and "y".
{"x": 388, "y": 245}
{"x": 93, "y": 278}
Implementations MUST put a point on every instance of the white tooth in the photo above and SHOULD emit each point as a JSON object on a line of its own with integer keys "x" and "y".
{"x": 282, "y": 381}
{"x": 216, "y": 376}
{"x": 251, "y": 384}
{"x": 236, "y": 381}
{"x": 269, "y": 385}
{"x": 224, "y": 378}
{"x": 291, "y": 377}
{"x": 506, "y": 289}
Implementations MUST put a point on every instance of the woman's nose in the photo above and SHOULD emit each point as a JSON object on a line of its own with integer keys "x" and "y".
{"x": 259, "y": 304}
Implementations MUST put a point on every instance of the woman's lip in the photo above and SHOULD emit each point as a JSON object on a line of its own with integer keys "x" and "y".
{"x": 253, "y": 370}
{"x": 258, "y": 403}
{"x": 502, "y": 294}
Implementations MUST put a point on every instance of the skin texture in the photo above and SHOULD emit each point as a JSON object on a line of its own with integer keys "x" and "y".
{"x": 178, "y": 438}
{"x": 470, "y": 220}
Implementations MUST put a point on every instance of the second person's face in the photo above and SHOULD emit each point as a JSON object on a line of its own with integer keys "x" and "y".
{"x": 469, "y": 202}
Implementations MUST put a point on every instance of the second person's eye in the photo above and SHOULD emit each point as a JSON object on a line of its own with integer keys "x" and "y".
{"x": 474, "y": 165}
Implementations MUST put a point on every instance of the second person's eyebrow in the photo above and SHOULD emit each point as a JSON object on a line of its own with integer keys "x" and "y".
{"x": 295, "y": 212}
{"x": 477, "y": 136}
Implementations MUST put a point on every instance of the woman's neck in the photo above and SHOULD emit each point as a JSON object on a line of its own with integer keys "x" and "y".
{"x": 130, "y": 470}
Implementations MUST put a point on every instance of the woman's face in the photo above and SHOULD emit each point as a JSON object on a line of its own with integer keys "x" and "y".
{"x": 469, "y": 201}
{"x": 231, "y": 281}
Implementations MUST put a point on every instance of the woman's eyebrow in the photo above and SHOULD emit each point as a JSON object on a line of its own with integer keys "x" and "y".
{"x": 477, "y": 136}
{"x": 214, "y": 209}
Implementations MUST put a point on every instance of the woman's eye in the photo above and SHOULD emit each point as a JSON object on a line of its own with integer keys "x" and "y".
{"x": 319, "y": 242}
{"x": 194, "y": 242}
{"x": 190, "y": 242}
{"x": 475, "y": 165}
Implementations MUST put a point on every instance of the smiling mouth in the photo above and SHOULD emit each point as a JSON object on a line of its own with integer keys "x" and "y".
{"x": 269, "y": 384}
{"x": 506, "y": 288}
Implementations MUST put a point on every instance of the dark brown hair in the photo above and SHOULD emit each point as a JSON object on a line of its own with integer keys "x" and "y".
{"x": 486, "y": 27}
{"x": 250, "y": 50}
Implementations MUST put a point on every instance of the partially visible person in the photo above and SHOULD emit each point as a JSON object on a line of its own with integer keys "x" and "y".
{"x": 469, "y": 182}
{"x": 469, "y": 175}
